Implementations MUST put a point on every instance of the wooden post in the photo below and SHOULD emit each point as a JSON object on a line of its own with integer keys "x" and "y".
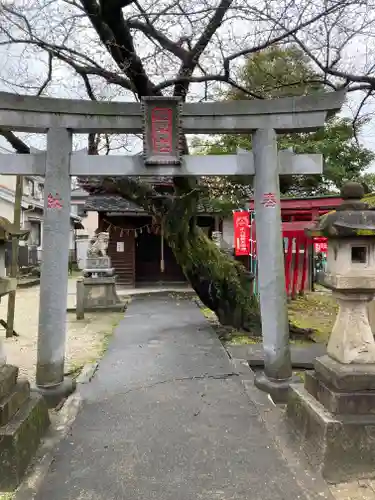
{"x": 162, "y": 263}
{"x": 80, "y": 298}
{"x": 14, "y": 260}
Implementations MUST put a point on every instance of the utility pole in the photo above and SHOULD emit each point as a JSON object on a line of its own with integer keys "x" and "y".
{"x": 14, "y": 261}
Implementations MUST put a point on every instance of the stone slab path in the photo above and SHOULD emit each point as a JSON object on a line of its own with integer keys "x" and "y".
{"x": 303, "y": 356}
{"x": 165, "y": 418}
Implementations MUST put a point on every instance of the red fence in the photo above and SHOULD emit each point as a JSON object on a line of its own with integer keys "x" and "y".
{"x": 298, "y": 253}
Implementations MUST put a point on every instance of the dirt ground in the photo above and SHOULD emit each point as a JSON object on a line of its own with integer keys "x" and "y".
{"x": 86, "y": 339}
{"x": 316, "y": 310}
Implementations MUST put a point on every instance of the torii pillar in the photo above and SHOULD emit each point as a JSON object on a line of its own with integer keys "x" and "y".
{"x": 277, "y": 374}
{"x": 267, "y": 164}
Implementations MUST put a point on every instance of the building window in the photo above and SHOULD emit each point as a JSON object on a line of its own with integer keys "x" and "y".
{"x": 81, "y": 212}
{"x": 29, "y": 191}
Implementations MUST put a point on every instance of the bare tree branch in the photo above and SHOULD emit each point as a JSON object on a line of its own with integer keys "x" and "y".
{"x": 61, "y": 53}
{"x": 49, "y": 76}
{"x": 15, "y": 142}
{"x": 150, "y": 31}
{"x": 188, "y": 67}
{"x": 109, "y": 23}
{"x": 346, "y": 76}
{"x": 284, "y": 36}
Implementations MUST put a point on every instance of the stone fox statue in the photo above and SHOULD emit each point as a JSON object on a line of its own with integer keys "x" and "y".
{"x": 98, "y": 245}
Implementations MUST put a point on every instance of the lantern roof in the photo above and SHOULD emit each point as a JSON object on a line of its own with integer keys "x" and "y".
{"x": 353, "y": 218}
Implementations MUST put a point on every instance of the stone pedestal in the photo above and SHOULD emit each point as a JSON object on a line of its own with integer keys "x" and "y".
{"x": 371, "y": 316}
{"x": 100, "y": 293}
{"x": 98, "y": 267}
{"x": 332, "y": 419}
{"x": 97, "y": 289}
{"x": 23, "y": 421}
{"x": 351, "y": 340}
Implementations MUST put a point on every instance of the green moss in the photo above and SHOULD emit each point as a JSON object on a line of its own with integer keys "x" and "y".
{"x": 7, "y": 496}
{"x": 316, "y": 311}
{"x": 301, "y": 375}
{"x": 370, "y": 199}
{"x": 244, "y": 340}
{"x": 220, "y": 281}
{"x": 207, "y": 313}
{"x": 75, "y": 368}
{"x": 365, "y": 232}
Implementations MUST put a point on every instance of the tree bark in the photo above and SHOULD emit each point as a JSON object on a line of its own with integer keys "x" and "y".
{"x": 222, "y": 284}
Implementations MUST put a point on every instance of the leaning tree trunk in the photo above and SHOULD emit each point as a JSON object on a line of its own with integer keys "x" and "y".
{"x": 222, "y": 284}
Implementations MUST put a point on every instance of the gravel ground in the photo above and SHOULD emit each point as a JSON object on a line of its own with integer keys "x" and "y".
{"x": 85, "y": 342}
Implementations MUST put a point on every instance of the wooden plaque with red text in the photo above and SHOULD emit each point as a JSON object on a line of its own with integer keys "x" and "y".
{"x": 161, "y": 130}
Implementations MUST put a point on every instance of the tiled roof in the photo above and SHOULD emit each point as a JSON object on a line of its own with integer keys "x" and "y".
{"x": 114, "y": 203}
{"x": 110, "y": 203}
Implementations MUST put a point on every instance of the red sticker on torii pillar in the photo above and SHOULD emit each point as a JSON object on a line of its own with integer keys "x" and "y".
{"x": 269, "y": 200}
{"x": 54, "y": 201}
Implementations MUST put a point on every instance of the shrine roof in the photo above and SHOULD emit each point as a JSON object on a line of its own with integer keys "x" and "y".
{"x": 115, "y": 203}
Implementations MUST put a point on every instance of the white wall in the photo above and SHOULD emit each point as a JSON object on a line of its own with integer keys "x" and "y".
{"x": 90, "y": 223}
{"x": 6, "y": 210}
{"x": 8, "y": 181}
{"x": 71, "y": 239}
{"x": 228, "y": 231}
{"x": 82, "y": 246}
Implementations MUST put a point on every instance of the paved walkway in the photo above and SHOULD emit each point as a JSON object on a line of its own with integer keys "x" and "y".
{"x": 165, "y": 418}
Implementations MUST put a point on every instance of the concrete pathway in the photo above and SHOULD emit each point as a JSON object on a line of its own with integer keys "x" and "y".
{"x": 165, "y": 418}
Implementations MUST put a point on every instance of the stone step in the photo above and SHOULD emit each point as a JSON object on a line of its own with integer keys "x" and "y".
{"x": 8, "y": 379}
{"x": 303, "y": 356}
{"x": 340, "y": 447}
{"x": 20, "y": 439}
{"x": 13, "y": 402}
{"x": 338, "y": 402}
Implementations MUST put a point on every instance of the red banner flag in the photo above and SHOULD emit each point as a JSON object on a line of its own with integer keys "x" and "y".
{"x": 320, "y": 245}
{"x": 241, "y": 221}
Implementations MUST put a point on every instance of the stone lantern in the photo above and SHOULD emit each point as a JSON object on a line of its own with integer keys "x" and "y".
{"x": 7, "y": 284}
{"x": 350, "y": 275}
{"x": 23, "y": 413}
{"x": 333, "y": 414}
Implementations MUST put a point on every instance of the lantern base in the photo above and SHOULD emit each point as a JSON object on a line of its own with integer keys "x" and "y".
{"x": 332, "y": 419}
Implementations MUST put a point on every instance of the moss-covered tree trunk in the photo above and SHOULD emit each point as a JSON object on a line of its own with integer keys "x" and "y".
{"x": 222, "y": 284}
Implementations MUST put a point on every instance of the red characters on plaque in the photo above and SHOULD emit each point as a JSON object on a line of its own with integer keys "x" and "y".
{"x": 162, "y": 130}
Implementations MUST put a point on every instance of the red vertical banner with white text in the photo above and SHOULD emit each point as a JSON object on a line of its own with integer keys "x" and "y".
{"x": 241, "y": 222}
{"x": 320, "y": 245}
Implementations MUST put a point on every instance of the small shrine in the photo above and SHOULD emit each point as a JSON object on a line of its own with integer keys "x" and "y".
{"x": 332, "y": 417}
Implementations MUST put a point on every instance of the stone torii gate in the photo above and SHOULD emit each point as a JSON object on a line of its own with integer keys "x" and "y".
{"x": 162, "y": 120}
